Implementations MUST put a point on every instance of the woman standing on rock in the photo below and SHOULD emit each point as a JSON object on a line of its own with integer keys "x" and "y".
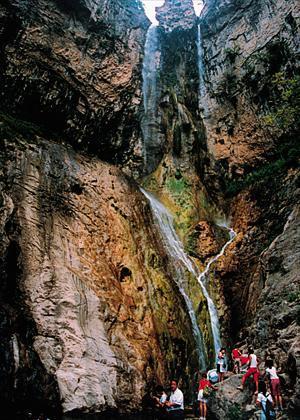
{"x": 274, "y": 383}
{"x": 221, "y": 364}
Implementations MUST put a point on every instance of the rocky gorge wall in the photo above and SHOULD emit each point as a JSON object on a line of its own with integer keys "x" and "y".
{"x": 251, "y": 61}
{"x": 84, "y": 278}
{"x": 246, "y": 48}
{"x": 74, "y": 68}
{"x": 90, "y": 314}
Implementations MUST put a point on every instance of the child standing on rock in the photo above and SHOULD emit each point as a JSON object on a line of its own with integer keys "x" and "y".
{"x": 265, "y": 402}
{"x": 204, "y": 384}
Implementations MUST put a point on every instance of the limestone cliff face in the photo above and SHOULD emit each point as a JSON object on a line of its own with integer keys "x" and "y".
{"x": 279, "y": 282}
{"x": 245, "y": 48}
{"x": 250, "y": 51}
{"x": 245, "y": 43}
{"x": 74, "y": 68}
{"x": 90, "y": 314}
{"x": 84, "y": 281}
{"x": 176, "y": 14}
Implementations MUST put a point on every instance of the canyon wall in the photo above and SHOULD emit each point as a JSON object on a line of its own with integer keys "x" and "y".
{"x": 84, "y": 281}
{"x": 91, "y": 317}
{"x": 74, "y": 68}
{"x": 251, "y": 76}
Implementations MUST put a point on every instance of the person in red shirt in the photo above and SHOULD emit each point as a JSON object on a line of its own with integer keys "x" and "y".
{"x": 236, "y": 358}
{"x": 203, "y": 384}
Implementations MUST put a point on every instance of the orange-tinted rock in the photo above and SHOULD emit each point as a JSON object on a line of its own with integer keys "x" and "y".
{"x": 95, "y": 298}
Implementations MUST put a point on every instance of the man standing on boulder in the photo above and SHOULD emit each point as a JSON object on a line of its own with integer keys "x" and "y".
{"x": 174, "y": 406}
{"x": 252, "y": 370}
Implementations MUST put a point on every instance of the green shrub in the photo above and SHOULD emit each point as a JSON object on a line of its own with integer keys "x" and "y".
{"x": 285, "y": 108}
{"x": 232, "y": 53}
{"x": 293, "y": 297}
{"x": 266, "y": 172}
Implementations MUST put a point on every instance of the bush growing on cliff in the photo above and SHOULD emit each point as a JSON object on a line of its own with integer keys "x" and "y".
{"x": 261, "y": 174}
{"x": 286, "y": 102}
{"x": 227, "y": 88}
{"x": 232, "y": 53}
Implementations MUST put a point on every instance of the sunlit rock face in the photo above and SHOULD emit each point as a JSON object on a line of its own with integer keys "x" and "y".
{"x": 85, "y": 285}
{"x": 75, "y": 68}
{"x": 176, "y": 14}
{"x": 244, "y": 46}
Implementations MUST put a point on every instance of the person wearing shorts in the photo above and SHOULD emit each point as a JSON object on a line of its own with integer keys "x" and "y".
{"x": 274, "y": 383}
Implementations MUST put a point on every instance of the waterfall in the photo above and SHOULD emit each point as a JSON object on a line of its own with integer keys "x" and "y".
{"x": 16, "y": 351}
{"x": 232, "y": 235}
{"x": 149, "y": 121}
{"x": 175, "y": 249}
{"x": 201, "y": 71}
{"x": 202, "y": 279}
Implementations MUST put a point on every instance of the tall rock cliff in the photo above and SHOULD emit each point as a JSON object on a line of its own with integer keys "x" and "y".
{"x": 251, "y": 102}
{"x": 84, "y": 281}
{"x": 91, "y": 316}
{"x": 74, "y": 68}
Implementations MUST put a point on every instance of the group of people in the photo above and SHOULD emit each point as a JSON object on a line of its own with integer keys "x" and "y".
{"x": 268, "y": 401}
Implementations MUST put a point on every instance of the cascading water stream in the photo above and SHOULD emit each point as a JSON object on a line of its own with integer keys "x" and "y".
{"x": 150, "y": 65}
{"x": 175, "y": 249}
{"x": 201, "y": 71}
{"x": 202, "y": 279}
{"x": 232, "y": 235}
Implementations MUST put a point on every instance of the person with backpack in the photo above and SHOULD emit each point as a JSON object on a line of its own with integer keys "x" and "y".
{"x": 265, "y": 402}
{"x": 203, "y": 393}
{"x": 274, "y": 383}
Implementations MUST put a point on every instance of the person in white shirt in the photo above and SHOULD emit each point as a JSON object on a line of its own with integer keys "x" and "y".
{"x": 274, "y": 383}
{"x": 174, "y": 406}
{"x": 252, "y": 370}
{"x": 261, "y": 401}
